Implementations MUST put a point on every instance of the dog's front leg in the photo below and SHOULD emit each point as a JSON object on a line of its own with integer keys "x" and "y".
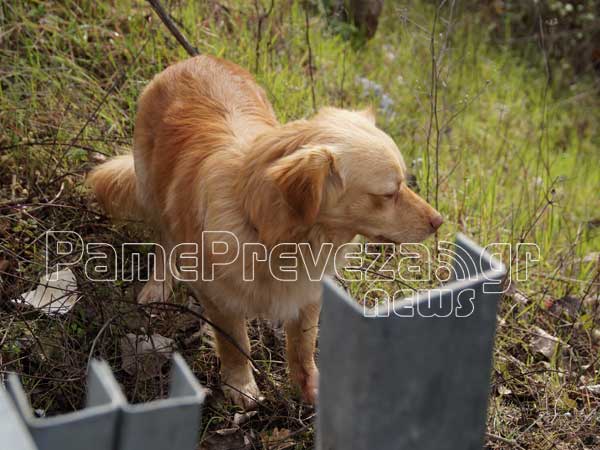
{"x": 236, "y": 371}
{"x": 301, "y": 339}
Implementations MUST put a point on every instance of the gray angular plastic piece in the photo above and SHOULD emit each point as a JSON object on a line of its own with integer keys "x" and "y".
{"x": 171, "y": 423}
{"x": 405, "y": 383}
{"x": 13, "y": 431}
{"x": 108, "y": 422}
{"x": 96, "y": 424}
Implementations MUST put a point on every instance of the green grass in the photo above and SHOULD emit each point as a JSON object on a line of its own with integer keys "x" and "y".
{"x": 519, "y": 161}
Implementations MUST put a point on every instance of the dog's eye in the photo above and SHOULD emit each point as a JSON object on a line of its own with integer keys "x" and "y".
{"x": 385, "y": 197}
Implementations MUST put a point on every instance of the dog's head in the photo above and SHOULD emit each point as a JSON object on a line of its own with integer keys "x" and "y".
{"x": 340, "y": 171}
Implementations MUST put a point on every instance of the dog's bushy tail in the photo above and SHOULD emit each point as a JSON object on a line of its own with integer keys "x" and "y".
{"x": 114, "y": 185}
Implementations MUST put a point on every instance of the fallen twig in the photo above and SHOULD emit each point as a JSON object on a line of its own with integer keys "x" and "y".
{"x": 512, "y": 442}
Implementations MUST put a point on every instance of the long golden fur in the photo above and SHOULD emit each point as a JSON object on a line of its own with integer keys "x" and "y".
{"x": 210, "y": 155}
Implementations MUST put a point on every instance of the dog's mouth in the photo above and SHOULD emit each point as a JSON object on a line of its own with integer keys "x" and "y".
{"x": 381, "y": 239}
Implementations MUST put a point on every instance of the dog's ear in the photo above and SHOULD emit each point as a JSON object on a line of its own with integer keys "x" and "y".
{"x": 301, "y": 177}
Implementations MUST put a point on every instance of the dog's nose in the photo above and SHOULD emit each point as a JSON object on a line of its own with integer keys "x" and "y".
{"x": 436, "y": 221}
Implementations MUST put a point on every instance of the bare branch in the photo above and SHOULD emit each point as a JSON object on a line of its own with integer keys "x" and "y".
{"x": 166, "y": 19}
{"x": 310, "y": 57}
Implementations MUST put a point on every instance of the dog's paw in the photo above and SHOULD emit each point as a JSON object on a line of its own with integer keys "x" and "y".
{"x": 307, "y": 380}
{"x": 154, "y": 291}
{"x": 245, "y": 395}
{"x": 310, "y": 388}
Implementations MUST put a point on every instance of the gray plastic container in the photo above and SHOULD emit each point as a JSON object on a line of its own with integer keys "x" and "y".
{"x": 14, "y": 434}
{"x": 406, "y": 383}
{"x": 96, "y": 423}
{"x": 171, "y": 423}
{"x": 108, "y": 422}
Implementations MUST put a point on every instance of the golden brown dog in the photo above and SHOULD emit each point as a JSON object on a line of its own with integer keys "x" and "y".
{"x": 210, "y": 155}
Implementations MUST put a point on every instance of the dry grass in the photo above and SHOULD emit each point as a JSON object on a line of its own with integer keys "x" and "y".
{"x": 511, "y": 158}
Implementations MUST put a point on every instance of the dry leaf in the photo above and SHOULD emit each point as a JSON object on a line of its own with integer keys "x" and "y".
{"x": 569, "y": 304}
{"x": 277, "y": 439}
{"x": 55, "y": 294}
{"x": 97, "y": 157}
{"x": 240, "y": 418}
{"x": 216, "y": 441}
{"x": 593, "y": 257}
{"x": 145, "y": 356}
{"x": 544, "y": 343}
{"x": 503, "y": 390}
{"x": 593, "y": 388}
{"x": 520, "y": 298}
{"x": 590, "y": 301}
{"x": 227, "y": 431}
